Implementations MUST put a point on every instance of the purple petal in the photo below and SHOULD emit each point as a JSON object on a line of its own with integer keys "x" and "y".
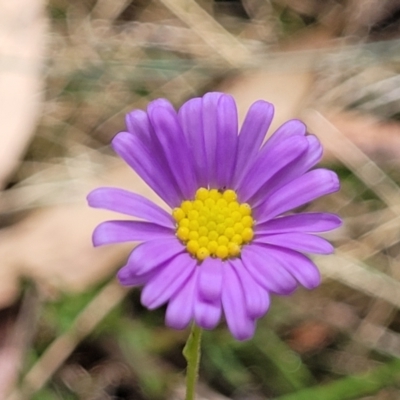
{"x": 207, "y": 314}
{"x": 210, "y": 279}
{"x": 257, "y": 299}
{"x": 129, "y": 231}
{"x": 127, "y": 279}
{"x": 268, "y": 163}
{"x": 300, "y": 191}
{"x": 169, "y": 280}
{"x": 191, "y": 119}
{"x": 169, "y": 133}
{"x": 301, "y": 267}
{"x": 292, "y": 170}
{"x": 227, "y": 140}
{"x": 309, "y": 159}
{"x": 266, "y": 271}
{"x": 241, "y": 325}
{"x": 303, "y": 242}
{"x": 145, "y": 162}
{"x": 128, "y": 203}
{"x": 152, "y": 254}
{"x": 180, "y": 307}
{"x": 288, "y": 129}
{"x": 252, "y": 133}
{"x": 306, "y": 222}
{"x": 138, "y": 123}
{"x": 210, "y": 128}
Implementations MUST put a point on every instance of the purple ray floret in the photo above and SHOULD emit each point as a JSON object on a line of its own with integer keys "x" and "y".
{"x": 232, "y": 237}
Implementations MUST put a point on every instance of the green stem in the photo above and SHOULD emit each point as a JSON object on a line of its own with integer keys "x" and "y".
{"x": 192, "y": 352}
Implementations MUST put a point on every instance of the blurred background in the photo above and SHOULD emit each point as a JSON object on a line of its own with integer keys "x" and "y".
{"x": 70, "y": 70}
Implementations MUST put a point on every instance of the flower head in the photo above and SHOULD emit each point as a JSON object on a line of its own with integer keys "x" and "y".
{"x": 229, "y": 240}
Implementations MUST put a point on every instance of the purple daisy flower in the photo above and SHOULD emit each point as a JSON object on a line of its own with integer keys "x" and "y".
{"x": 229, "y": 240}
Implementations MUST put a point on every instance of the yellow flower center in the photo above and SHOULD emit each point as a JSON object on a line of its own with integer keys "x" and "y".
{"x": 214, "y": 224}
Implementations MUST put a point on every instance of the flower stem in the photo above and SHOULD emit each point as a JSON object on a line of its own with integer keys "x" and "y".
{"x": 192, "y": 352}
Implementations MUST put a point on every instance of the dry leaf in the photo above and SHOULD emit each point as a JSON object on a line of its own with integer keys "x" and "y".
{"x": 22, "y": 42}
{"x": 378, "y": 139}
{"x": 53, "y": 245}
{"x": 288, "y": 92}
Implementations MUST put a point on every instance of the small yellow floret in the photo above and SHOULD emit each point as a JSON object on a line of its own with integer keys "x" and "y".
{"x": 233, "y": 206}
{"x": 229, "y": 232}
{"x": 192, "y": 246}
{"x": 214, "y": 194}
{"x": 186, "y": 206}
{"x": 220, "y": 228}
{"x": 209, "y": 203}
{"x": 245, "y": 209}
{"x": 184, "y": 222}
{"x": 212, "y": 247}
{"x": 202, "y": 253}
{"x": 233, "y": 249}
{"x": 214, "y": 224}
{"x": 203, "y": 231}
{"x": 194, "y": 225}
{"x": 222, "y": 252}
{"x": 211, "y": 225}
{"x": 247, "y": 221}
{"x": 193, "y": 235}
{"x": 203, "y": 241}
{"x": 229, "y": 221}
{"x": 247, "y": 234}
{"x": 221, "y": 204}
{"x": 223, "y": 240}
{"x": 220, "y": 218}
{"x": 198, "y": 205}
{"x": 203, "y": 220}
{"x": 213, "y": 235}
{"x": 238, "y": 227}
{"x": 236, "y": 216}
{"x": 202, "y": 194}
{"x": 178, "y": 214}
{"x": 237, "y": 239}
{"x": 229, "y": 195}
{"x": 183, "y": 233}
{"x": 193, "y": 214}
